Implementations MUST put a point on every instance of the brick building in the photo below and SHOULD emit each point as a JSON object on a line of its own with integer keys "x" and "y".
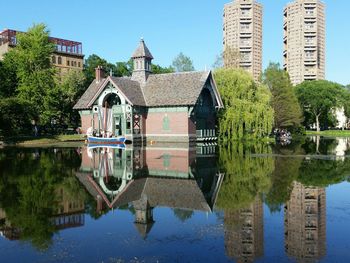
{"x": 67, "y": 56}
{"x": 174, "y": 107}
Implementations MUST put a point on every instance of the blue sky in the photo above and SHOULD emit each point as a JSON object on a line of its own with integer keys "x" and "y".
{"x": 112, "y": 28}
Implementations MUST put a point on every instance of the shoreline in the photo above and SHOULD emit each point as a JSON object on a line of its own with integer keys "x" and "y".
{"x": 44, "y": 141}
{"x": 330, "y": 133}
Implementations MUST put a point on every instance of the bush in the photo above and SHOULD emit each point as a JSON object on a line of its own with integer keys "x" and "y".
{"x": 15, "y": 116}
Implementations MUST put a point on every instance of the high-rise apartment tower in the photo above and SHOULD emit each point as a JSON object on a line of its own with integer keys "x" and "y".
{"x": 304, "y": 40}
{"x": 242, "y": 36}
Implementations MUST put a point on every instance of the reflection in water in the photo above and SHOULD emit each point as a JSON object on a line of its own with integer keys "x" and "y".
{"x": 305, "y": 223}
{"x": 43, "y": 191}
{"x": 146, "y": 178}
{"x": 244, "y": 232}
{"x": 38, "y": 196}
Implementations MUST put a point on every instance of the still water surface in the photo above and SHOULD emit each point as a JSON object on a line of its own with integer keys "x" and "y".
{"x": 245, "y": 203}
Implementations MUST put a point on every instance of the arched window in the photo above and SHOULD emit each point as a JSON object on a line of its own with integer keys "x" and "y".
{"x": 53, "y": 59}
{"x": 112, "y": 99}
{"x": 59, "y": 61}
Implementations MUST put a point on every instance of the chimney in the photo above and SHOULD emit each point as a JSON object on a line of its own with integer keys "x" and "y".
{"x": 99, "y": 73}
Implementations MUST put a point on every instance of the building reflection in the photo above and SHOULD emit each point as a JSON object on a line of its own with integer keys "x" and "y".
{"x": 305, "y": 223}
{"x": 155, "y": 176}
{"x": 244, "y": 232}
{"x": 70, "y": 213}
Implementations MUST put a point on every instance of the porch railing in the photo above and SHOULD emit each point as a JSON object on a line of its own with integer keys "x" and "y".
{"x": 206, "y": 135}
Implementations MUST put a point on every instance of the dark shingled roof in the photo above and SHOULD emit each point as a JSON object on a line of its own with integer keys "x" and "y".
{"x": 83, "y": 102}
{"x": 171, "y": 89}
{"x": 142, "y": 51}
{"x": 166, "y": 192}
{"x": 131, "y": 89}
{"x": 174, "y": 89}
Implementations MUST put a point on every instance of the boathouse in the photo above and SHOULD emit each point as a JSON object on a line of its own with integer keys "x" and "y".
{"x": 173, "y": 107}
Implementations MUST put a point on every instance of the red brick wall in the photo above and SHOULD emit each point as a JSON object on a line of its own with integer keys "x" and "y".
{"x": 86, "y": 122}
{"x": 178, "y": 123}
{"x": 179, "y": 159}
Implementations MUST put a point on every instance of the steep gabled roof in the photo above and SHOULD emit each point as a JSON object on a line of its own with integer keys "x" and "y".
{"x": 131, "y": 89}
{"x": 174, "y": 89}
{"x": 171, "y": 89}
{"x": 142, "y": 51}
{"x": 83, "y": 102}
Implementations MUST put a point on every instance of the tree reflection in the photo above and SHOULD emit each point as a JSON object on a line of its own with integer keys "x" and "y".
{"x": 246, "y": 175}
{"x": 287, "y": 164}
{"x": 182, "y": 214}
{"x": 31, "y": 178}
{"x": 322, "y": 173}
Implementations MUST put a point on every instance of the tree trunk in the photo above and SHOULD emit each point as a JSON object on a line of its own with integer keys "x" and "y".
{"x": 317, "y": 123}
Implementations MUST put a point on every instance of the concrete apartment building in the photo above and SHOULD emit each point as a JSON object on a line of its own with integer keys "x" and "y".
{"x": 305, "y": 223}
{"x": 67, "y": 56}
{"x": 242, "y": 33}
{"x": 244, "y": 232}
{"x": 304, "y": 40}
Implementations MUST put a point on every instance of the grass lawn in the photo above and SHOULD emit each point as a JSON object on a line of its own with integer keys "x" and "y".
{"x": 44, "y": 140}
{"x": 330, "y": 133}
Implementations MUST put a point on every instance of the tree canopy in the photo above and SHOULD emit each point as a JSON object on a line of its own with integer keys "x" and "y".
{"x": 32, "y": 60}
{"x": 229, "y": 58}
{"x": 157, "y": 69}
{"x": 182, "y": 63}
{"x": 319, "y": 97}
{"x": 287, "y": 110}
{"x": 247, "y": 112}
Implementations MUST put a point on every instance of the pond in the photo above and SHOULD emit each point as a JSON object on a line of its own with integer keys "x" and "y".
{"x": 174, "y": 203}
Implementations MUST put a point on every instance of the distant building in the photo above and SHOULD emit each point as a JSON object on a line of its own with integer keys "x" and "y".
{"x": 67, "y": 56}
{"x": 305, "y": 223}
{"x": 242, "y": 33}
{"x": 304, "y": 40}
{"x": 173, "y": 107}
{"x": 244, "y": 232}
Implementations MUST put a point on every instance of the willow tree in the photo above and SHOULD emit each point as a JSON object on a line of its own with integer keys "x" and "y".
{"x": 247, "y": 112}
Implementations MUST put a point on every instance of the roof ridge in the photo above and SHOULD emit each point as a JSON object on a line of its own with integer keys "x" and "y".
{"x": 181, "y": 73}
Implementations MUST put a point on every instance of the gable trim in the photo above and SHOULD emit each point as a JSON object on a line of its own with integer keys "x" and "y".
{"x": 103, "y": 86}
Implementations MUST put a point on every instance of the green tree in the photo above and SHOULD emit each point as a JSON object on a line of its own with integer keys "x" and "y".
{"x": 8, "y": 78}
{"x": 229, "y": 58}
{"x": 122, "y": 69}
{"x": 182, "y": 63}
{"x": 91, "y": 63}
{"x": 63, "y": 97}
{"x": 318, "y": 98}
{"x": 288, "y": 113}
{"x": 32, "y": 58}
{"x": 157, "y": 69}
{"x": 15, "y": 116}
{"x": 247, "y": 112}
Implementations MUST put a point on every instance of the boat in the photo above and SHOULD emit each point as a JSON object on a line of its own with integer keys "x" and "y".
{"x": 106, "y": 138}
{"x": 92, "y": 140}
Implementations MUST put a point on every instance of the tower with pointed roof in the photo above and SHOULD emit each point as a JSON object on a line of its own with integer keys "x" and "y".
{"x": 142, "y": 58}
